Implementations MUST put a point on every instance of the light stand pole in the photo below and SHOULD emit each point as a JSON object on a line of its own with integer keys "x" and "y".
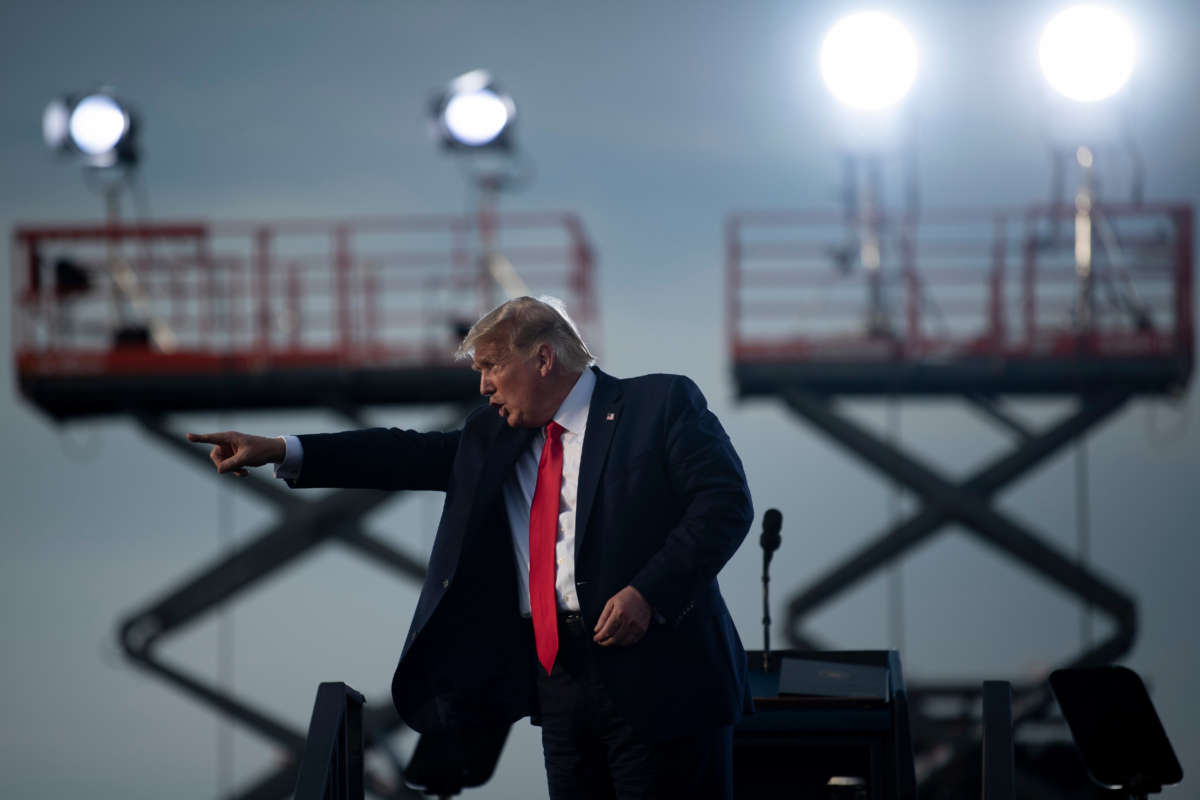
{"x": 869, "y": 61}
{"x": 1084, "y": 198}
{"x": 102, "y": 131}
{"x": 474, "y": 117}
{"x": 1087, "y": 55}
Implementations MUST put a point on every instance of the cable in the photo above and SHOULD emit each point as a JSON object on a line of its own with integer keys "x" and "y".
{"x": 1083, "y": 535}
{"x": 895, "y": 576}
{"x": 225, "y": 641}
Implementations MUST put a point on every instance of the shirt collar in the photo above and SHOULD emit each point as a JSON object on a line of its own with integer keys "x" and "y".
{"x": 573, "y": 413}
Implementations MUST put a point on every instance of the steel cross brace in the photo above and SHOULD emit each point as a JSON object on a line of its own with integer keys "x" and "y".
{"x": 302, "y": 525}
{"x": 969, "y": 503}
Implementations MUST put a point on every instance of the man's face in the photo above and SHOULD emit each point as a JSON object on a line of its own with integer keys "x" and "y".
{"x": 513, "y": 384}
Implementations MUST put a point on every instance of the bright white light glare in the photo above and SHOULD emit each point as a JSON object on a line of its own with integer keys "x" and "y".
{"x": 476, "y": 118}
{"x": 869, "y": 60}
{"x": 1087, "y": 53}
{"x": 97, "y": 124}
{"x": 54, "y": 124}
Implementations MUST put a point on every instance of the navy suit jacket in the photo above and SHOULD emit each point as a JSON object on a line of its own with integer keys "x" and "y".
{"x": 662, "y": 505}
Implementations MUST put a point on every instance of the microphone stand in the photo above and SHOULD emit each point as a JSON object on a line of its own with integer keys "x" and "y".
{"x": 766, "y": 621}
{"x": 770, "y": 541}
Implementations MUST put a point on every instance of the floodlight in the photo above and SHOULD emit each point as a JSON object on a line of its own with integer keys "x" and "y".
{"x": 477, "y": 118}
{"x": 95, "y": 125}
{"x": 869, "y": 60}
{"x": 474, "y": 113}
{"x": 1087, "y": 53}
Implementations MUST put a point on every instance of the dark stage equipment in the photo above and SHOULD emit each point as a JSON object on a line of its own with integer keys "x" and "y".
{"x": 332, "y": 765}
{"x": 340, "y": 315}
{"x": 825, "y": 744}
{"x": 1116, "y": 729}
{"x": 997, "y": 757}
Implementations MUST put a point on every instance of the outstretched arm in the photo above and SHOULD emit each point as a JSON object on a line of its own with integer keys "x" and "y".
{"x": 378, "y": 458}
{"x": 374, "y": 458}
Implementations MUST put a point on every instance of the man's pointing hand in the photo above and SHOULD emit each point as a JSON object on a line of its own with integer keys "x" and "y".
{"x": 233, "y": 451}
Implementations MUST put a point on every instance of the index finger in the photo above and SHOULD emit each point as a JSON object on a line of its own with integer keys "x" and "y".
{"x": 207, "y": 438}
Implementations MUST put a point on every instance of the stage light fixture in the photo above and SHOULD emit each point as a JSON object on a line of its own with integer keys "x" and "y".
{"x": 869, "y": 60}
{"x": 98, "y": 125}
{"x": 474, "y": 113}
{"x": 1087, "y": 53}
{"x": 95, "y": 125}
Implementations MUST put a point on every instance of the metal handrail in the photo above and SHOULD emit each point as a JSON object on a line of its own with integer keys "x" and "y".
{"x": 998, "y": 284}
{"x": 357, "y": 292}
{"x": 332, "y": 765}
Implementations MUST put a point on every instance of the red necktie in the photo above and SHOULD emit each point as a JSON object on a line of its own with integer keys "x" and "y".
{"x": 543, "y": 531}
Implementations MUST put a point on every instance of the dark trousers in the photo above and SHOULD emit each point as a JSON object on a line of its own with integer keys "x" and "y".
{"x": 592, "y": 752}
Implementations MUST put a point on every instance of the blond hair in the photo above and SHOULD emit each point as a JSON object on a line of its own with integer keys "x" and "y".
{"x": 526, "y": 323}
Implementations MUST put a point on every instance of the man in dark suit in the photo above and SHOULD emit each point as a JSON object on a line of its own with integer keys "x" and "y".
{"x": 573, "y": 577}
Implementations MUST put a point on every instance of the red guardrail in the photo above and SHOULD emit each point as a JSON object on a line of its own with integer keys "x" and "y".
{"x": 958, "y": 282}
{"x": 371, "y": 291}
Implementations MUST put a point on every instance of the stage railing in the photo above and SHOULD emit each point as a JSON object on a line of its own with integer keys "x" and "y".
{"x": 998, "y": 283}
{"x": 362, "y": 292}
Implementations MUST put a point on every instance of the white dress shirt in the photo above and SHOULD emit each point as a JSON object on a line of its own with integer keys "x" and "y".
{"x": 518, "y": 488}
{"x": 518, "y": 496}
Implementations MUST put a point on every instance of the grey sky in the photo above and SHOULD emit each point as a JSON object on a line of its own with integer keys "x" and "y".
{"x": 652, "y": 121}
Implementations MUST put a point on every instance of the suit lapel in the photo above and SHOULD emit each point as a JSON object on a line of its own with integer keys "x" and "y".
{"x": 604, "y": 414}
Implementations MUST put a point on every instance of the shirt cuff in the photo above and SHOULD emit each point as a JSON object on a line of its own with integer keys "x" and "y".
{"x": 293, "y": 459}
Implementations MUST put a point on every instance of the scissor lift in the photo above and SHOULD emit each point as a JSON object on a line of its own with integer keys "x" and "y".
{"x": 155, "y": 319}
{"x": 985, "y": 305}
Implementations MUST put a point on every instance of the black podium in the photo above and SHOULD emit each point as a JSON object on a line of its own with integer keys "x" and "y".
{"x": 824, "y": 744}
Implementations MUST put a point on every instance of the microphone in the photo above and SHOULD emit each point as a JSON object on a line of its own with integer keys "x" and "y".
{"x": 769, "y": 541}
